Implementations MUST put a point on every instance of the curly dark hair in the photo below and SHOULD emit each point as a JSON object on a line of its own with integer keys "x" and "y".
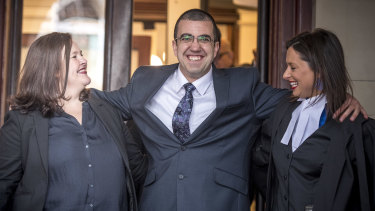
{"x": 41, "y": 86}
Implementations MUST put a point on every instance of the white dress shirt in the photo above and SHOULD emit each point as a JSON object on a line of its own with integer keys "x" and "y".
{"x": 304, "y": 121}
{"x": 165, "y": 101}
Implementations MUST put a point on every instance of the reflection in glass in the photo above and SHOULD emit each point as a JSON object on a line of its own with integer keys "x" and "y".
{"x": 84, "y": 19}
{"x": 155, "y": 60}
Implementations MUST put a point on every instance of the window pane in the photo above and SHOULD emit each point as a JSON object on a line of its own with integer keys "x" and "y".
{"x": 84, "y": 19}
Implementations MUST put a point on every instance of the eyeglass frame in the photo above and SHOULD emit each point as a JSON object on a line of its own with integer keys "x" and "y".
{"x": 192, "y": 40}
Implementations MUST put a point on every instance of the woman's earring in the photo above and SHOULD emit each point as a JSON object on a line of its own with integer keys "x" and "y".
{"x": 319, "y": 84}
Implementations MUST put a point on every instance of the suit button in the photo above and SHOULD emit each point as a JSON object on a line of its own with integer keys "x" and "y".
{"x": 288, "y": 156}
{"x": 180, "y": 176}
{"x": 183, "y": 148}
{"x": 285, "y": 177}
{"x": 285, "y": 197}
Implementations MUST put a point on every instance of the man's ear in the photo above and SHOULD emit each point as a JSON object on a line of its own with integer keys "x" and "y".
{"x": 216, "y": 48}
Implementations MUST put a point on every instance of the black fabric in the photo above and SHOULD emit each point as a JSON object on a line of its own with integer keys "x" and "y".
{"x": 24, "y": 156}
{"x": 138, "y": 161}
{"x": 297, "y": 173}
{"x": 348, "y": 168}
{"x": 86, "y": 170}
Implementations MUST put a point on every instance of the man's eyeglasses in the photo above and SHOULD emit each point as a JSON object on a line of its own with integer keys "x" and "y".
{"x": 188, "y": 38}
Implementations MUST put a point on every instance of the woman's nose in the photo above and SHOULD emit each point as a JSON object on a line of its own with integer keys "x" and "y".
{"x": 83, "y": 60}
{"x": 286, "y": 74}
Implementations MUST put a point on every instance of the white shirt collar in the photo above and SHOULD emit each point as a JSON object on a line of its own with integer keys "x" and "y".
{"x": 313, "y": 104}
{"x": 202, "y": 84}
{"x": 304, "y": 121}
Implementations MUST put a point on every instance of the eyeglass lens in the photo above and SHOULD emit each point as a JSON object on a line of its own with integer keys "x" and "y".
{"x": 188, "y": 38}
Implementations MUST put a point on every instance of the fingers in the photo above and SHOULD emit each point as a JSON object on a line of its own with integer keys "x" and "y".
{"x": 337, "y": 113}
{"x": 342, "y": 108}
{"x": 351, "y": 105}
{"x": 354, "y": 115}
{"x": 364, "y": 113}
{"x": 348, "y": 111}
{"x": 355, "y": 108}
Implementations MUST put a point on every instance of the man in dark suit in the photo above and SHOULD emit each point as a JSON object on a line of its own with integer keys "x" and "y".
{"x": 204, "y": 164}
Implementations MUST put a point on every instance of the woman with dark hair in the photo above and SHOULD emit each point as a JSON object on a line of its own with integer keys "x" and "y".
{"x": 60, "y": 148}
{"x": 316, "y": 162}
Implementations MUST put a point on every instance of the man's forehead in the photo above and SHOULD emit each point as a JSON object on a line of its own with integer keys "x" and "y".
{"x": 188, "y": 26}
{"x": 195, "y": 21}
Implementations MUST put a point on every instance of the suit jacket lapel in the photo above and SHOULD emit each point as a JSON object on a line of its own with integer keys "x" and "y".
{"x": 155, "y": 84}
{"x": 333, "y": 166}
{"x": 284, "y": 117}
{"x": 41, "y": 130}
{"x": 221, "y": 86}
{"x": 106, "y": 117}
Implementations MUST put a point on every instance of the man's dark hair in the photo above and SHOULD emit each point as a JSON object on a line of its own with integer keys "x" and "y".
{"x": 198, "y": 15}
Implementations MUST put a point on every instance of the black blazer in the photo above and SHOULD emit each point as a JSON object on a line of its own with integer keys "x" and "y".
{"x": 24, "y": 156}
{"x": 349, "y": 164}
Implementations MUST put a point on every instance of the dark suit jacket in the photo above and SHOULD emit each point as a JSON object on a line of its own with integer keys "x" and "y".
{"x": 210, "y": 171}
{"x": 349, "y": 167}
{"x": 24, "y": 156}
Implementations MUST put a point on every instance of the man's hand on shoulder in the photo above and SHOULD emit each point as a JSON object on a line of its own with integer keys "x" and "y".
{"x": 351, "y": 105}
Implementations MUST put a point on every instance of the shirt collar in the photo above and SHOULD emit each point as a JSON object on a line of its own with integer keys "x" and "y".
{"x": 317, "y": 102}
{"x": 305, "y": 120}
{"x": 202, "y": 84}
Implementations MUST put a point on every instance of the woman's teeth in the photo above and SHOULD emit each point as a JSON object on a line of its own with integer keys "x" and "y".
{"x": 293, "y": 84}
